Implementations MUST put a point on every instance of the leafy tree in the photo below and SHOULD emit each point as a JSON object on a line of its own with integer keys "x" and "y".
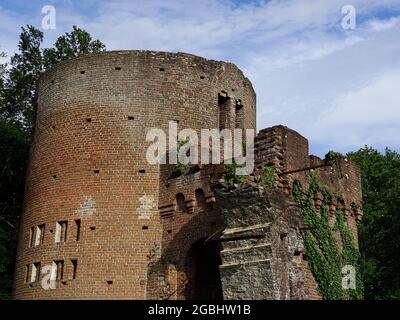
{"x": 14, "y": 148}
{"x": 380, "y": 227}
{"x": 71, "y": 45}
{"x": 18, "y": 86}
{"x": 18, "y": 96}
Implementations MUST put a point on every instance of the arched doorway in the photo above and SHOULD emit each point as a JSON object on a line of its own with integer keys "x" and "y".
{"x": 202, "y": 268}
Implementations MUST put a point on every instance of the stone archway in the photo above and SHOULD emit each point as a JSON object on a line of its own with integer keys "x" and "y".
{"x": 202, "y": 270}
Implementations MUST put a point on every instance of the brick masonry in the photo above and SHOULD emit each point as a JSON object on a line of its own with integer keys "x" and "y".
{"x": 132, "y": 227}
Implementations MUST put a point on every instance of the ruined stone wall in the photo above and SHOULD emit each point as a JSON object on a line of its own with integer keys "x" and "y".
{"x": 88, "y": 163}
{"x": 126, "y": 229}
{"x": 287, "y": 152}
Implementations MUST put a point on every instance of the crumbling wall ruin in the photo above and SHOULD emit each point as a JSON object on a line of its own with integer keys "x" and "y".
{"x": 260, "y": 229}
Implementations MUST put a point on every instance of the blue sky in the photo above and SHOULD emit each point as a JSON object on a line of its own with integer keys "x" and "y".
{"x": 339, "y": 88}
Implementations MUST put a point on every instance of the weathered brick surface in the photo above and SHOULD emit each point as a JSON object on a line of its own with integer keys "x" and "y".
{"x": 87, "y": 159}
{"x": 139, "y": 222}
{"x": 287, "y": 151}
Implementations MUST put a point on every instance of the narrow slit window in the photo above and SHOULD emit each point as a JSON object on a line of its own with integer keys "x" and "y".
{"x": 35, "y": 272}
{"x": 78, "y": 229}
{"x": 39, "y": 235}
{"x": 31, "y": 236}
{"x": 74, "y": 265}
{"x": 57, "y": 270}
{"x": 224, "y": 111}
{"x": 26, "y": 273}
{"x": 61, "y": 231}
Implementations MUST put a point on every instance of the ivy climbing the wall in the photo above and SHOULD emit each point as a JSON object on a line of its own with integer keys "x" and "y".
{"x": 267, "y": 177}
{"x": 230, "y": 173}
{"x": 325, "y": 258}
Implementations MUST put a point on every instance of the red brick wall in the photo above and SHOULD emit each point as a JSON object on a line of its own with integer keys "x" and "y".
{"x": 88, "y": 152}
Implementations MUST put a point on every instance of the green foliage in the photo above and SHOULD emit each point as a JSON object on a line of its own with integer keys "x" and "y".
{"x": 231, "y": 176}
{"x": 325, "y": 259}
{"x": 267, "y": 177}
{"x": 70, "y": 45}
{"x": 14, "y": 150}
{"x": 181, "y": 167}
{"x": 297, "y": 192}
{"x": 332, "y": 155}
{"x": 380, "y": 228}
{"x": 18, "y": 86}
{"x": 18, "y": 94}
{"x": 20, "y": 83}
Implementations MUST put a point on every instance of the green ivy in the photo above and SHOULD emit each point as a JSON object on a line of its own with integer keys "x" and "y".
{"x": 181, "y": 167}
{"x": 325, "y": 259}
{"x": 230, "y": 173}
{"x": 267, "y": 177}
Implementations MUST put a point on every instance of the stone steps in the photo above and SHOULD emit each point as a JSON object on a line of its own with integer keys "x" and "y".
{"x": 247, "y": 254}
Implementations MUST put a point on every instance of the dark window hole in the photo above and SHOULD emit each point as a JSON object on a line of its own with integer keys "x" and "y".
{"x": 96, "y": 171}
{"x": 92, "y": 228}
{"x": 169, "y": 231}
{"x": 145, "y": 228}
{"x": 202, "y": 77}
{"x": 109, "y": 282}
{"x": 88, "y": 120}
{"x": 162, "y": 69}
{"x": 117, "y": 68}
{"x": 142, "y": 171}
{"x": 131, "y": 118}
{"x": 82, "y": 72}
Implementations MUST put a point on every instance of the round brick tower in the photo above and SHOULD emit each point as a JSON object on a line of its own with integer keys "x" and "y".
{"x": 91, "y": 213}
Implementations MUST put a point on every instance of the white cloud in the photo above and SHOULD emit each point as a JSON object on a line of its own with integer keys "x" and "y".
{"x": 379, "y": 25}
{"x": 307, "y": 70}
{"x": 369, "y": 115}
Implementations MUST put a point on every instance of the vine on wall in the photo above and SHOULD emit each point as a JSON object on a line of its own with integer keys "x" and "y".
{"x": 325, "y": 259}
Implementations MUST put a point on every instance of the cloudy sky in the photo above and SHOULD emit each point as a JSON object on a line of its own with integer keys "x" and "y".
{"x": 338, "y": 87}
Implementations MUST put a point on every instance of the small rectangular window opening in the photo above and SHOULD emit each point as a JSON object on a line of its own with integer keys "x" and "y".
{"x": 35, "y": 272}
{"x": 74, "y": 263}
{"x": 31, "y": 236}
{"x": 39, "y": 235}
{"x": 61, "y": 231}
{"x": 78, "y": 229}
